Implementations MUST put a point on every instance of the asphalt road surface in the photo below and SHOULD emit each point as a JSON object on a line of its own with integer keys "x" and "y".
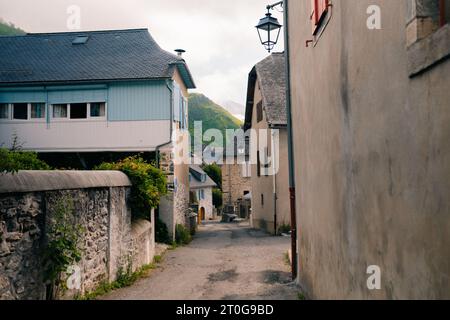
{"x": 224, "y": 262}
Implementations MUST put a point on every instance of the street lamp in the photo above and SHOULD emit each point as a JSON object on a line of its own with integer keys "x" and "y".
{"x": 269, "y": 28}
{"x": 271, "y": 25}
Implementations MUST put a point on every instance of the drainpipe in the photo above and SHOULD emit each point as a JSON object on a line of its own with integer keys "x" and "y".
{"x": 274, "y": 175}
{"x": 290, "y": 143}
{"x": 171, "y": 124}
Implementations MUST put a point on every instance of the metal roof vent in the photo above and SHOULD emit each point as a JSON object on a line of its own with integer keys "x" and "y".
{"x": 180, "y": 52}
{"x": 80, "y": 40}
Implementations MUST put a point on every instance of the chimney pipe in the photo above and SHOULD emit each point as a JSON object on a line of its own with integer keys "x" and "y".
{"x": 180, "y": 52}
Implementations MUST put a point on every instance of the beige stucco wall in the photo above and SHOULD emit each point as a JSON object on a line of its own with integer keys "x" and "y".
{"x": 275, "y": 190}
{"x": 372, "y": 157}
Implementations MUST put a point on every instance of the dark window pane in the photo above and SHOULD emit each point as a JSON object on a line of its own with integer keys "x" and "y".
{"x": 447, "y": 11}
{"x": 37, "y": 110}
{"x": 20, "y": 111}
{"x": 259, "y": 112}
{"x": 97, "y": 110}
{"x": 78, "y": 111}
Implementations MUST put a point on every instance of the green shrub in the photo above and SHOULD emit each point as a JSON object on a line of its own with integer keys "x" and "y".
{"x": 284, "y": 228}
{"x": 217, "y": 198}
{"x": 13, "y": 161}
{"x": 182, "y": 235}
{"x": 215, "y": 173}
{"x": 63, "y": 245}
{"x": 149, "y": 184}
{"x": 162, "y": 233}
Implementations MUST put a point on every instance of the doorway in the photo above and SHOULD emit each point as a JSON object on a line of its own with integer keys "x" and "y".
{"x": 201, "y": 215}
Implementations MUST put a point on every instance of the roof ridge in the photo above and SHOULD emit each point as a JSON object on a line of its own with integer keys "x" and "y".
{"x": 82, "y": 32}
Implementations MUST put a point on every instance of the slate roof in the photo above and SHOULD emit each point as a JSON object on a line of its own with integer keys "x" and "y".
{"x": 196, "y": 182}
{"x": 106, "y": 56}
{"x": 270, "y": 75}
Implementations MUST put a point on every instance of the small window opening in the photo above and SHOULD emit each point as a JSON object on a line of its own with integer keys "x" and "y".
{"x": 20, "y": 111}
{"x": 78, "y": 111}
{"x": 80, "y": 40}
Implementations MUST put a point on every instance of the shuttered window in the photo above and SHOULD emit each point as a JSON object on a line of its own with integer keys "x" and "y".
{"x": 444, "y": 7}
{"x": 258, "y": 165}
{"x": 319, "y": 8}
{"x": 259, "y": 112}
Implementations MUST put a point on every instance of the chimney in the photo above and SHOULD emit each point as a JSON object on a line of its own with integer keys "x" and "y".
{"x": 180, "y": 52}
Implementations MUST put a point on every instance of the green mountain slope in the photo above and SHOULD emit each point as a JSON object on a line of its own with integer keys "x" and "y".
{"x": 8, "y": 29}
{"x": 213, "y": 116}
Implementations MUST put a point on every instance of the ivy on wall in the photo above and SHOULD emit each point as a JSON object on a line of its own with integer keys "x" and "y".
{"x": 149, "y": 184}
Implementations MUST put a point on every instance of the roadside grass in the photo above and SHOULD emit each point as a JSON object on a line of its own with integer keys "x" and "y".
{"x": 124, "y": 279}
{"x": 128, "y": 278}
{"x": 301, "y": 296}
{"x": 286, "y": 259}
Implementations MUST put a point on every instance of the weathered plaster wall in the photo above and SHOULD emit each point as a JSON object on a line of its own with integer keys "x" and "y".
{"x": 275, "y": 191}
{"x": 110, "y": 240}
{"x": 372, "y": 157}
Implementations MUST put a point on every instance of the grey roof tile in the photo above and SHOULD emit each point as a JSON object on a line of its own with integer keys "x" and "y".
{"x": 106, "y": 56}
{"x": 272, "y": 81}
{"x": 195, "y": 182}
{"x": 270, "y": 74}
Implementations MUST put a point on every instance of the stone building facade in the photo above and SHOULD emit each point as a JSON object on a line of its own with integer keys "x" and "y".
{"x": 236, "y": 183}
{"x": 371, "y": 116}
{"x": 174, "y": 207}
{"x": 110, "y": 239}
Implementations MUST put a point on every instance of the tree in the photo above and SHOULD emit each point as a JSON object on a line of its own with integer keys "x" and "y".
{"x": 215, "y": 173}
{"x": 217, "y": 198}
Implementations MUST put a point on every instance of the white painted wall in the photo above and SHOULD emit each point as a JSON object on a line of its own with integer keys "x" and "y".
{"x": 87, "y": 135}
{"x": 206, "y": 203}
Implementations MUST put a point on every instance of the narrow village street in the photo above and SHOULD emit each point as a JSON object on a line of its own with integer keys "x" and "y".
{"x": 225, "y": 261}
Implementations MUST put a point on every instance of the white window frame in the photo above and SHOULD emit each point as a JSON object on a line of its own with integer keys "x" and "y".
{"x": 9, "y": 113}
{"x": 12, "y": 112}
{"x": 88, "y": 114}
{"x": 38, "y": 120}
{"x": 29, "y": 119}
{"x": 97, "y": 118}
{"x": 52, "y": 117}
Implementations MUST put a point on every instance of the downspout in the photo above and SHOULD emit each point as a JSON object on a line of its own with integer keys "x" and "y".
{"x": 171, "y": 125}
{"x": 47, "y": 108}
{"x": 274, "y": 175}
{"x": 290, "y": 143}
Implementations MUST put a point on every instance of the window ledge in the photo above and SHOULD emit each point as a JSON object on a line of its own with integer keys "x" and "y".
{"x": 428, "y": 52}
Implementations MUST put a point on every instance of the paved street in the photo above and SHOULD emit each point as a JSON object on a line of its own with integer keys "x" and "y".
{"x": 225, "y": 261}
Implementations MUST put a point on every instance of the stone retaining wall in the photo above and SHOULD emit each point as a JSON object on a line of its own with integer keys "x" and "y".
{"x": 110, "y": 240}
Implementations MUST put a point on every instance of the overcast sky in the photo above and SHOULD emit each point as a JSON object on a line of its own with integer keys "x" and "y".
{"x": 219, "y": 36}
